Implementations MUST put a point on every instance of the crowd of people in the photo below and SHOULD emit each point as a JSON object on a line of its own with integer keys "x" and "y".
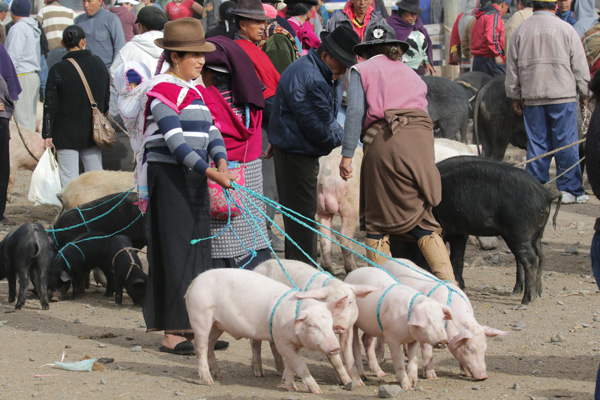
{"x": 260, "y": 97}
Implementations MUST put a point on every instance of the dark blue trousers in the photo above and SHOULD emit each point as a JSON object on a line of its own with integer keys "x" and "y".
{"x": 489, "y": 66}
{"x": 550, "y": 127}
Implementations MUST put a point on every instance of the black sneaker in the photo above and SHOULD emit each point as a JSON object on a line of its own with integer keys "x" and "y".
{"x": 221, "y": 345}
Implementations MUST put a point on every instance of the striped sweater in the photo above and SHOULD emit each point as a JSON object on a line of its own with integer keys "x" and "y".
{"x": 187, "y": 138}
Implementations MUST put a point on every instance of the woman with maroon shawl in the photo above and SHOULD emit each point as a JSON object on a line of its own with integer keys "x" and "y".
{"x": 233, "y": 94}
{"x": 410, "y": 29}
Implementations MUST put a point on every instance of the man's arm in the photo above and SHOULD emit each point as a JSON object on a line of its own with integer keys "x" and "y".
{"x": 579, "y": 65}
{"x": 319, "y": 123}
{"x": 115, "y": 29}
{"x": 512, "y": 83}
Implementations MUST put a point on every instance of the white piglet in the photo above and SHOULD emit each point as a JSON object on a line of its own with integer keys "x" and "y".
{"x": 249, "y": 305}
{"x": 307, "y": 277}
{"x": 399, "y": 314}
{"x": 466, "y": 337}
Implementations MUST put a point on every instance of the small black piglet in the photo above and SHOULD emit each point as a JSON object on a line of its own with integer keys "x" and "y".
{"x": 127, "y": 269}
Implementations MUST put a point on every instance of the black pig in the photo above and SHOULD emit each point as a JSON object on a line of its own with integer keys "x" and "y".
{"x": 26, "y": 252}
{"x": 484, "y": 197}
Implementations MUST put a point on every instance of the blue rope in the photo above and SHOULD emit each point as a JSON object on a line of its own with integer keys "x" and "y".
{"x": 60, "y": 252}
{"x": 107, "y": 201}
{"x": 314, "y": 276}
{"x": 381, "y": 301}
{"x": 83, "y": 219}
{"x": 291, "y": 214}
{"x": 325, "y": 281}
{"x": 54, "y": 230}
{"x": 411, "y": 303}
{"x": 275, "y": 308}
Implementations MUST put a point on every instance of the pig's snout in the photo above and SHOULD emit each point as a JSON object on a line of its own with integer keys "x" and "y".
{"x": 481, "y": 377}
{"x": 339, "y": 329}
{"x": 334, "y": 351}
{"x": 442, "y": 344}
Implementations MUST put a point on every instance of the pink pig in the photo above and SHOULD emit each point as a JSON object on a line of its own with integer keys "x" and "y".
{"x": 399, "y": 314}
{"x": 466, "y": 337}
{"x": 249, "y": 305}
{"x": 307, "y": 277}
{"x": 337, "y": 196}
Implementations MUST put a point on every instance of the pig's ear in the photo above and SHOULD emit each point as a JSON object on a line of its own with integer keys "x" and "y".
{"x": 447, "y": 312}
{"x": 299, "y": 321}
{"x": 336, "y": 307}
{"x": 317, "y": 294}
{"x": 462, "y": 335}
{"x": 418, "y": 317}
{"x": 362, "y": 291}
{"x": 493, "y": 332}
{"x": 64, "y": 276}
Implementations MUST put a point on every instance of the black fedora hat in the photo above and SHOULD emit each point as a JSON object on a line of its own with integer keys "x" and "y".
{"x": 339, "y": 44}
{"x": 380, "y": 34}
{"x": 252, "y": 9}
{"x": 410, "y": 6}
{"x": 311, "y": 2}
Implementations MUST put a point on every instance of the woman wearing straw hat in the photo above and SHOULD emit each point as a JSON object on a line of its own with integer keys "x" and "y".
{"x": 173, "y": 135}
{"x": 399, "y": 181}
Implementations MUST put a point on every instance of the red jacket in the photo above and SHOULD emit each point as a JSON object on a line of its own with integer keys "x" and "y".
{"x": 488, "y": 33}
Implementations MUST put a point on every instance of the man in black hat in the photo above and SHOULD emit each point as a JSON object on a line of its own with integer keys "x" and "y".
{"x": 303, "y": 127}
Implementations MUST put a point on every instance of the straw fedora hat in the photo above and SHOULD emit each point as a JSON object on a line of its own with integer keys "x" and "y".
{"x": 184, "y": 34}
{"x": 251, "y": 9}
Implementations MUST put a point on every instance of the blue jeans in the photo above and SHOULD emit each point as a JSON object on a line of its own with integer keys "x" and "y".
{"x": 550, "y": 127}
{"x": 489, "y": 66}
{"x": 43, "y": 74}
{"x": 595, "y": 258}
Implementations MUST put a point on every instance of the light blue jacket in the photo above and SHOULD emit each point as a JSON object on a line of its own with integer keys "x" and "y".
{"x": 23, "y": 45}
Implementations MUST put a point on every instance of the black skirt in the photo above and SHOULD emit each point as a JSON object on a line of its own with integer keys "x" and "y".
{"x": 178, "y": 211}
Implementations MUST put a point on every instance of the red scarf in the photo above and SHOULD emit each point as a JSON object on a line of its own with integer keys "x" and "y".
{"x": 235, "y": 135}
{"x": 168, "y": 93}
{"x": 263, "y": 65}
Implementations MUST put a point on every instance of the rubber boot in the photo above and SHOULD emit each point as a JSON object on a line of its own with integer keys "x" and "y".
{"x": 382, "y": 245}
{"x": 434, "y": 251}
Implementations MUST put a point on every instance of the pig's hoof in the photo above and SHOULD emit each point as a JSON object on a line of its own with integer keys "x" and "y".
{"x": 207, "y": 381}
{"x": 413, "y": 380}
{"x": 315, "y": 390}
{"x": 360, "y": 383}
{"x": 380, "y": 374}
{"x": 259, "y": 373}
{"x": 405, "y": 384}
{"x": 291, "y": 387}
{"x": 430, "y": 375}
{"x": 45, "y": 306}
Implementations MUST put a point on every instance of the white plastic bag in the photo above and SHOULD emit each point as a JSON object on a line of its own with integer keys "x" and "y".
{"x": 45, "y": 182}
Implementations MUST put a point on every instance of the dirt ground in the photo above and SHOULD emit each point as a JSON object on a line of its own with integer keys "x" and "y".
{"x": 525, "y": 364}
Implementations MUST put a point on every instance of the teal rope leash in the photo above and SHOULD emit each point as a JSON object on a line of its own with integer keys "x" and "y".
{"x": 381, "y": 301}
{"x": 283, "y": 296}
{"x": 291, "y": 213}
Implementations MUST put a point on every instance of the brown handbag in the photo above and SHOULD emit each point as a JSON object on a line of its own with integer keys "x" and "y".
{"x": 103, "y": 132}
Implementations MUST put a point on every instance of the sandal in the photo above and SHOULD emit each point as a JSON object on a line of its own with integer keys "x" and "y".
{"x": 185, "y": 348}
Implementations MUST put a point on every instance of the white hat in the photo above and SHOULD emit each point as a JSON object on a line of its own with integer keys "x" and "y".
{"x": 132, "y": 2}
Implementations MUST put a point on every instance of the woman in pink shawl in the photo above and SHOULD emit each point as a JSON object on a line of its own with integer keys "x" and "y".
{"x": 298, "y": 15}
